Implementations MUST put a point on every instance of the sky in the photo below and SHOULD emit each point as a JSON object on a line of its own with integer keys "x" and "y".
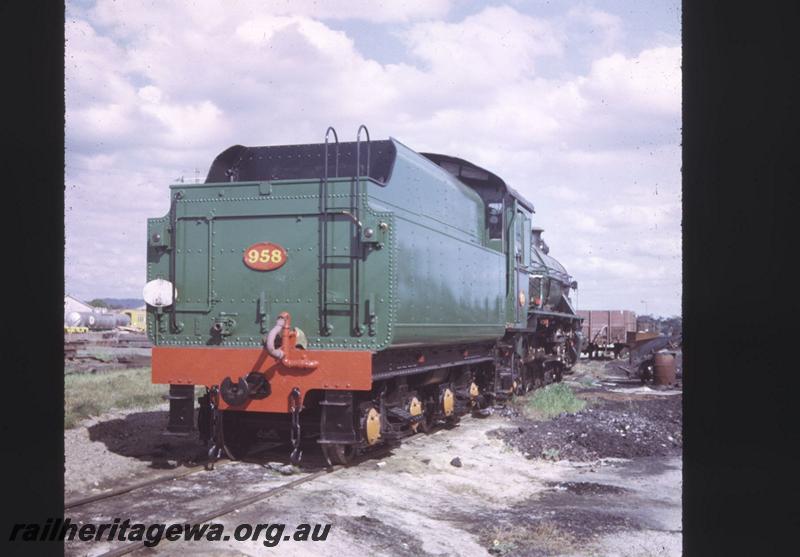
{"x": 577, "y": 105}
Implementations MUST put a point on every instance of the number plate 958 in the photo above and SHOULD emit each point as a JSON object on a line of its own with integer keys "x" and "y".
{"x": 264, "y": 256}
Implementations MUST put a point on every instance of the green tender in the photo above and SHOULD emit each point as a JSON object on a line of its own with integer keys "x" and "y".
{"x": 424, "y": 276}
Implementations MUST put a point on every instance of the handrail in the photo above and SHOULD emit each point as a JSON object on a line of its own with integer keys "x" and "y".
{"x": 323, "y": 290}
{"x": 358, "y": 167}
{"x": 336, "y": 137}
{"x": 324, "y": 196}
{"x": 357, "y": 212}
{"x": 358, "y": 150}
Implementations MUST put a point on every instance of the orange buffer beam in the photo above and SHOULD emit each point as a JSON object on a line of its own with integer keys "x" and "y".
{"x": 337, "y": 370}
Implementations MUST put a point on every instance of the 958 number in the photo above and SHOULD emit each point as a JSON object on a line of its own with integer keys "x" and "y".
{"x": 264, "y": 256}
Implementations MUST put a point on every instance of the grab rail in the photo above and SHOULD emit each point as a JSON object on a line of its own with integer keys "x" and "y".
{"x": 358, "y": 150}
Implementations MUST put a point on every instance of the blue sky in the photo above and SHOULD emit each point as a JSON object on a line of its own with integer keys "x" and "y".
{"x": 575, "y": 104}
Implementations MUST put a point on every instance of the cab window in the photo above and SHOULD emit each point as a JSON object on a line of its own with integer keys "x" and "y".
{"x": 494, "y": 220}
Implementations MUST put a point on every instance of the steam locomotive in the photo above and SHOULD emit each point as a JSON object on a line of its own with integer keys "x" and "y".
{"x": 352, "y": 293}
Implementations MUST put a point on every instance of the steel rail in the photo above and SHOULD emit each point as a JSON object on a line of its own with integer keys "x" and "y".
{"x": 227, "y": 509}
{"x": 73, "y": 503}
{"x": 79, "y": 501}
{"x": 230, "y": 507}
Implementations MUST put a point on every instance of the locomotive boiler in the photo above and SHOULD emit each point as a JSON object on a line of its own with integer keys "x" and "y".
{"x": 349, "y": 293}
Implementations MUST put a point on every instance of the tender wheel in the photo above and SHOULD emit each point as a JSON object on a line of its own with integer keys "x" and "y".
{"x": 426, "y": 425}
{"x": 339, "y": 454}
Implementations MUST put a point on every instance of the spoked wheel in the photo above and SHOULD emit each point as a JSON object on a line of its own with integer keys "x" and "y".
{"x": 235, "y": 440}
{"x": 339, "y": 454}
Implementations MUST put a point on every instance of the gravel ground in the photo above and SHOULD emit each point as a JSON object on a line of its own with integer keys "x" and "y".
{"x": 121, "y": 448}
{"x": 606, "y": 428}
{"x": 604, "y": 481}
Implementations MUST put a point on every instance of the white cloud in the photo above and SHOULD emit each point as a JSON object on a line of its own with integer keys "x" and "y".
{"x": 649, "y": 82}
{"x": 498, "y": 43}
{"x": 636, "y": 215}
{"x": 154, "y": 91}
{"x": 594, "y": 31}
{"x": 584, "y": 221}
{"x": 187, "y": 124}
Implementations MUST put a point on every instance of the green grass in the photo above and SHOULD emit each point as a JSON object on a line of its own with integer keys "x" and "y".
{"x": 588, "y": 381}
{"x": 552, "y": 401}
{"x": 87, "y": 395}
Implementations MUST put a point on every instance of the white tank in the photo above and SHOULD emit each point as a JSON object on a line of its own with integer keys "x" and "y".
{"x": 73, "y": 319}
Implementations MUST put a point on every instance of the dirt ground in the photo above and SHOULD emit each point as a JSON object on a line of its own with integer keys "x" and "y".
{"x": 123, "y": 447}
{"x": 604, "y": 481}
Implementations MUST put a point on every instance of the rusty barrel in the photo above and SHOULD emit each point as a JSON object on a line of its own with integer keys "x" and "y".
{"x": 664, "y": 369}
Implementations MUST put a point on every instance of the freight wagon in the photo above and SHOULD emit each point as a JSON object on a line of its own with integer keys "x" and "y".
{"x": 606, "y": 331}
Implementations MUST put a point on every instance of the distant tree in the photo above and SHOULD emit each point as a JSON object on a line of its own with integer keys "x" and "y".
{"x": 98, "y": 303}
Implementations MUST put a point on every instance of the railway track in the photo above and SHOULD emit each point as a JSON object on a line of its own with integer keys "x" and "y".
{"x": 80, "y": 501}
{"x": 230, "y": 506}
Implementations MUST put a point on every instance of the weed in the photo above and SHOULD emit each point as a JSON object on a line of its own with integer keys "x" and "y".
{"x": 89, "y": 395}
{"x": 588, "y": 381}
{"x": 552, "y": 401}
{"x": 550, "y": 454}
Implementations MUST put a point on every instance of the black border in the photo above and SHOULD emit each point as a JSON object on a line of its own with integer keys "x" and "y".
{"x": 740, "y": 172}
{"x": 740, "y": 182}
{"x": 32, "y": 167}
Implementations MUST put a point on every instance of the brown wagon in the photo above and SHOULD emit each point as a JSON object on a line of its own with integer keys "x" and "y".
{"x": 606, "y": 331}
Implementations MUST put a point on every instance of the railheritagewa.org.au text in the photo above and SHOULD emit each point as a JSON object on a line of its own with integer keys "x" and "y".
{"x": 270, "y": 534}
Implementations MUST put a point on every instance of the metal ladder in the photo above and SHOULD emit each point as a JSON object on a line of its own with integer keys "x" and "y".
{"x": 327, "y": 258}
